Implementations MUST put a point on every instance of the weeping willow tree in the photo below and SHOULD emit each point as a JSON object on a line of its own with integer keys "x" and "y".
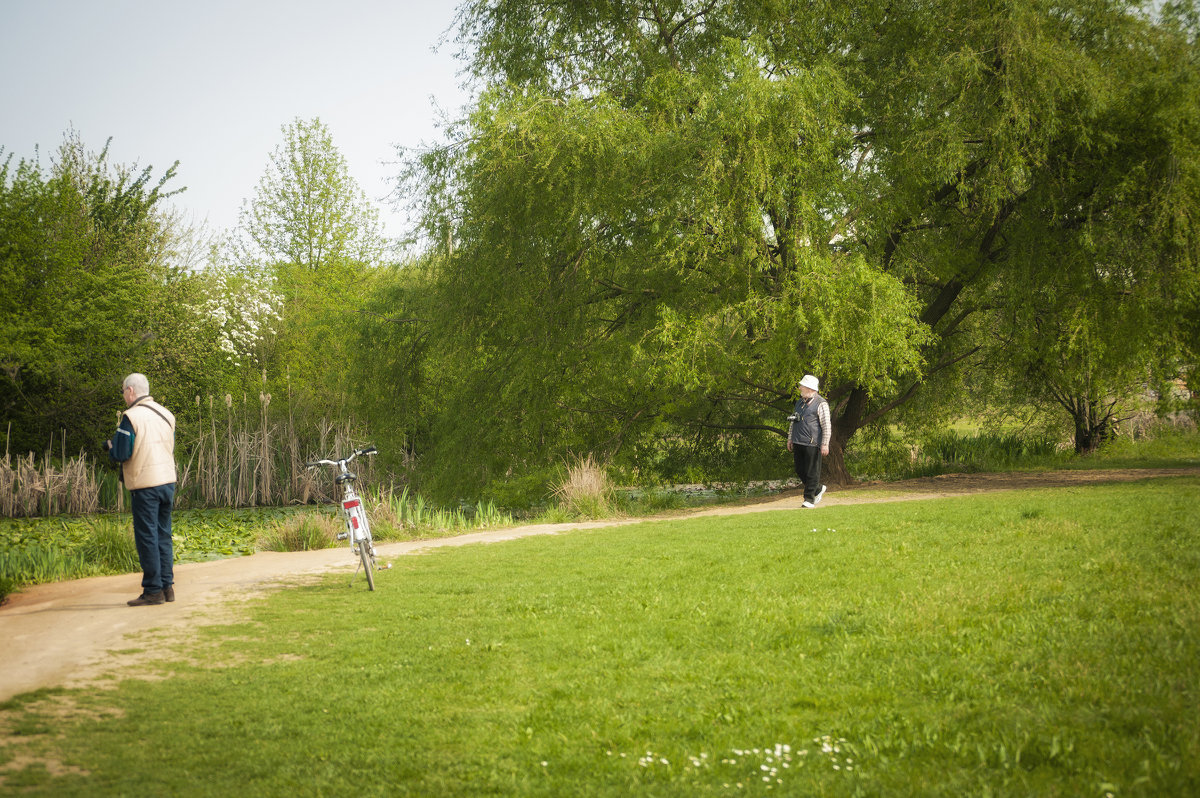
{"x": 661, "y": 214}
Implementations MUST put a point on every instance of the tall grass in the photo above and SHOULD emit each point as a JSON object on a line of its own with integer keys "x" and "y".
{"x": 882, "y": 454}
{"x": 107, "y": 548}
{"x": 393, "y": 516}
{"x": 110, "y": 548}
{"x": 586, "y": 490}
{"x": 306, "y": 531}
{"x": 41, "y": 563}
{"x": 403, "y": 515}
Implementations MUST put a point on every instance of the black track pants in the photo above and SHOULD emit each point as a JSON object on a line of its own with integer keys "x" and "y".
{"x": 807, "y": 460}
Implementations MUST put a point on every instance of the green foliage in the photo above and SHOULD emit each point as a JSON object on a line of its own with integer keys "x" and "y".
{"x": 307, "y": 243}
{"x": 81, "y": 268}
{"x": 650, "y": 254}
{"x": 39, "y": 562}
{"x": 1108, "y": 321}
{"x": 308, "y": 211}
{"x": 657, "y": 217}
{"x": 407, "y": 516}
{"x": 989, "y": 645}
{"x": 1164, "y": 447}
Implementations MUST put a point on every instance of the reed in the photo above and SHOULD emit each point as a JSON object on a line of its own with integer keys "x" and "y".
{"x": 253, "y": 456}
{"x": 230, "y": 454}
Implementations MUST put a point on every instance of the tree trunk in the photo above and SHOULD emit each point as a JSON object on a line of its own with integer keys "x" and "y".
{"x": 845, "y": 424}
{"x": 833, "y": 465}
{"x": 1090, "y": 434}
{"x": 1092, "y": 426}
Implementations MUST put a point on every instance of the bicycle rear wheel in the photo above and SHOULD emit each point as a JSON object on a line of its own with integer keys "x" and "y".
{"x": 368, "y": 562}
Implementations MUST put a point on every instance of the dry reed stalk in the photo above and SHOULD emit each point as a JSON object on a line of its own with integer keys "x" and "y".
{"x": 198, "y": 453}
{"x": 295, "y": 465}
{"x": 29, "y": 487}
{"x": 8, "y": 484}
{"x": 228, "y": 477}
{"x": 243, "y": 474}
{"x": 47, "y": 478}
{"x": 83, "y": 494}
{"x": 264, "y": 400}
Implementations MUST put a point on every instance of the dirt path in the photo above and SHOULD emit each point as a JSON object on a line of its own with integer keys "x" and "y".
{"x": 75, "y": 633}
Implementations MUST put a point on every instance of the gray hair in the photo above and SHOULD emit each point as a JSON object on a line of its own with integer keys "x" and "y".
{"x": 138, "y": 382}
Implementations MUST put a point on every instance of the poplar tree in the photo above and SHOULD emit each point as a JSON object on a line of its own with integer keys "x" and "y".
{"x": 312, "y": 231}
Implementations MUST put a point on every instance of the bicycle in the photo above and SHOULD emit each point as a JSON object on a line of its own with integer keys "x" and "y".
{"x": 358, "y": 528}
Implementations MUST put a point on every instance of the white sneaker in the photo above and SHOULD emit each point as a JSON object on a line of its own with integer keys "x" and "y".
{"x": 809, "y": 505}
{"x": 819, "y": 495}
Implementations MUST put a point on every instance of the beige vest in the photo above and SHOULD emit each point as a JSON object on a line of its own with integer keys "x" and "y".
{"x": 153, "y": 460}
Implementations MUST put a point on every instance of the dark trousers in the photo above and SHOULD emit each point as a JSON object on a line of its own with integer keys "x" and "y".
{"x": 152, "y": 535}
{"x": 807, "y": 460}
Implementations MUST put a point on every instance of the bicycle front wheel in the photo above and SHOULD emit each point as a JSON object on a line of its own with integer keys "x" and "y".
{"x": 368, "y": 562}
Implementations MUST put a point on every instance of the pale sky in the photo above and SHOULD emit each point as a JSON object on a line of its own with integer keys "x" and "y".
{"x": 211, "y": 83}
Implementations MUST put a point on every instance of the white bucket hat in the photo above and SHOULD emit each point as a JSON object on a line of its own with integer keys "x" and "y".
{"x": 809, "y": 381}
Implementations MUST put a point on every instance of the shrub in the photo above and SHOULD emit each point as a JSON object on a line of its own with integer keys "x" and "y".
{"x": 110, "y": 547}
{"x": 586, "y": 491}
{"x": 305, "y": 531}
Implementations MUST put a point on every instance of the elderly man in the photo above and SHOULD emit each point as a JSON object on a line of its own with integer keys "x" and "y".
{"x": 144, "y": 447}
{"x": 808, "y": 438}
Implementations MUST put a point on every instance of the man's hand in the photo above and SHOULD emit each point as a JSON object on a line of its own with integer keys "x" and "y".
{"x": 824, "y": 450}
{"x": 789, "y": 444}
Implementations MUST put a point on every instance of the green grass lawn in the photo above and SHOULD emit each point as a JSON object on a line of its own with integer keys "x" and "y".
{"x": 1040, "y": 643}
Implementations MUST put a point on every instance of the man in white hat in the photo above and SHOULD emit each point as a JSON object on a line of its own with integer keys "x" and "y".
{"x": 808, "y": 438}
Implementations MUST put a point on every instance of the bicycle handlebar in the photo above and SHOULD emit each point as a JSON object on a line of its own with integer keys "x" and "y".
{"x": 369, "y": 449}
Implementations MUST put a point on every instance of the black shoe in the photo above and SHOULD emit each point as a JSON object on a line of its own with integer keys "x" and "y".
{"x": 169, "y": 593}
{"x": 147, "y": 598}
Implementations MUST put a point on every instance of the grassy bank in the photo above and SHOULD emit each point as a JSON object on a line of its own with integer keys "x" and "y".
{"x": 1040, "y": 643}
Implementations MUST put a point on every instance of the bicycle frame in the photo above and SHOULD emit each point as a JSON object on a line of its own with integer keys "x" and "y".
{"x": 358, "y": 528}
